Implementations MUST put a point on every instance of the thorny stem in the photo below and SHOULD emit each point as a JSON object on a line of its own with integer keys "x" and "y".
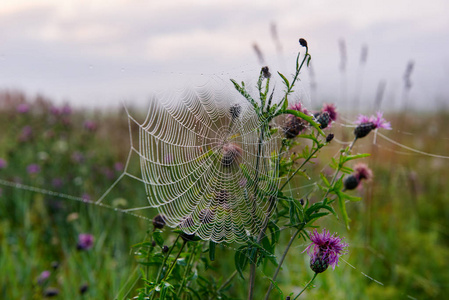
{"x": 282, "y": 260}
{"x": 311, "y": 280}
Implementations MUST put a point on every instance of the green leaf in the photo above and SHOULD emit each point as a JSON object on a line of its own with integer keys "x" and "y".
{"x": 287, "y": 83}
{"x": 212, "y": 250}
{"x": 157, "y": 236}
{"x": 241, "y": 260}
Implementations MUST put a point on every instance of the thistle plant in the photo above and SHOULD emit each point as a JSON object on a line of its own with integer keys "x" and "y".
{"x": 226, "y": 187}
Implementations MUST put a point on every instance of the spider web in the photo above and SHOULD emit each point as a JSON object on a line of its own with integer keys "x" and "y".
{"x": 205, "y": 166}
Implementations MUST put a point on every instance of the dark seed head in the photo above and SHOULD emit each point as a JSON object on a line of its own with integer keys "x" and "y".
{"x": 351, "y": 182}
{"x": 303, "y": 42}
{"x": 153, "y": 244}
{"x": 84, "y": 288}
{"x": 266, "y": 72}
{"x": 363, "y": 129}
{"x": 165, "y": 249}
{"x": 159, "y": 221}
{"x": 293, "y": 127}
{"x": 301, "y": 202}
{"x": 54, "y": 265}
{"x": 51, "y": 292}
{"x": 329, "y": 137}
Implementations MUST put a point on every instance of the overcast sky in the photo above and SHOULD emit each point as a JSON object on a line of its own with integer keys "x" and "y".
{"x": 95, "y": 53}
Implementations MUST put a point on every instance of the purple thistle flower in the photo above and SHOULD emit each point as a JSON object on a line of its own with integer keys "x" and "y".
{"x": 363, "y": 172}
{"x": 3, "y": 163}
{"x": 118, "y": 166}
{"x": 66, "y": 110}
{"x": 325, "y": 250}
{"x": 331, "y": 110}
{"x": 23, "y": 108}
{"x": 377, "y": 121}
{"x": 43, "y": 277}
{"x": 90, "y": 125}
{"x": 57, "y": 182}
{"x": 33, "y": 169}
{"x": 26, "y": 133}
{"x": 298, "y": 107}
{"x": 85, "y": 241}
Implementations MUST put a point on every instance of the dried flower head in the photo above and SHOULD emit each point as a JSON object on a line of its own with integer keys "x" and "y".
{"x": 294, "y": 126}
{"x": 266, "y": 72}
{"x": 159, "y": 221}
{"x": 325, "y": 250}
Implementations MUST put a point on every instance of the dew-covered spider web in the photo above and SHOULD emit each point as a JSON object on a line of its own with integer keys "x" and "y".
{"x": 207, "y": 165}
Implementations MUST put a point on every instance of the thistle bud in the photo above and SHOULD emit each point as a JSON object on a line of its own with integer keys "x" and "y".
{"x": 323, "y": 119}
{"x": 329, "y": 137}
{"x": 165, "y": 249}
{"x": 319, "y": 263}
{"x": 84, "y": 288}
{"x": 351, "y": 182}
{"x": 159, "y": 221}
{"x": 363, "y": 129}
{"x": 303, "y": 42}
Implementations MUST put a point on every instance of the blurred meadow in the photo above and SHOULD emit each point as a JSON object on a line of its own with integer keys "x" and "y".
{"x": 399, "y": 236}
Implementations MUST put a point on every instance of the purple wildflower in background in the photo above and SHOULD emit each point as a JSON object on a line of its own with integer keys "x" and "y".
{"x": 299, "y": 107}
{"x": 26, "y": 133}
{"x": 77, "y": 157}
{"x": 66, "y": 110}
{"x": 118, "y": 166}
{"x": 86, "y": 197}
{"x": 325, "y": 250}
{"x": 85, "y": 241}
{"x": 43, "y": 277}
{"x": 57, "y": 182}
{"x": 3, "y": 163}
{"x": 23, "y": 108}
{"x": 56, "y": 111}
{"x": 33, "y": 169}
{"x": 90, "y": 125}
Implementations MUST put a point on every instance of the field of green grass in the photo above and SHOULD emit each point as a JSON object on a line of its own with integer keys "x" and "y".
{"x": 399, "y": 236}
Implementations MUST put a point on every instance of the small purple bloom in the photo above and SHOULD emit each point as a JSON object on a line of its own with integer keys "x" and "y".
{"x": 85, "y": 241}
{"x": 56, "y": 111}
{"x": 86, "y": 197}
{"x": 43, "y": 277}
{"x": 77, "y": 157}
{"x": 66, "y": 110}
{"x": 118, "y": 166}
{"x": 3, "y": 163}
{"x": 23, "y": 108}
{"x": 26, "y": 133}
{"x": 33, "y": 169}
{"x": 298, "y": 107}
{"x": 90, "y": 125}
{"x": 325, "y": 250}
{"x": 57, "y": 182}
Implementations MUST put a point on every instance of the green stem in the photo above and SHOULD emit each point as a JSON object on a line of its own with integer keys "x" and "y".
{"x": 300, "y": 167}
{"x": 282, "y": 260}
{"x": 187, "y": 270}
{"x": 165, "y": 260}
{"x": 174, "y": 262}
{"x": 227, "y": 281}
{"x": 311, "y": 280}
